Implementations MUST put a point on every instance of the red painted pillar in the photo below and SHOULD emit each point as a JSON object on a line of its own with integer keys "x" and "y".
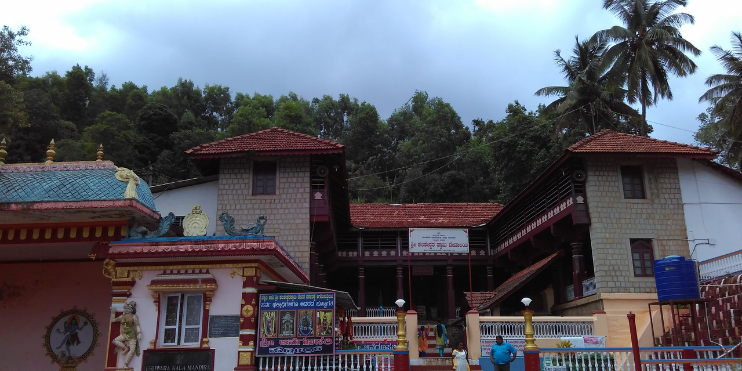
{"x": 451, "y": 296}
{"x": 246, "y": 360}
{"x": 578, "y": 269}
{"x": 634, "y": 341}
{"x": 361, "y": 292}
{"x": 490, "y": 279}
{"x": 531, "y": 360}
{"x": 400, "y": 283}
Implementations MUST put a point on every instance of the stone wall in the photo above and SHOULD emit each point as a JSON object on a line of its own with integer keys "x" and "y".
{"x": 287, "y": 210}
{"x": 615, "y": 220}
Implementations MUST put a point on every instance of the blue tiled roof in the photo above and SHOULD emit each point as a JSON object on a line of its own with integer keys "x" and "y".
{"x": 67, "y": 186}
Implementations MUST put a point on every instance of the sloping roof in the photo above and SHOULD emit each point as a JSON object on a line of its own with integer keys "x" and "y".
{"x": 734, "y": 174}
{"x": 342, "y": 298}
{"x": 608, "y": 141}
{"x": 270, "y": 141}
{"x": 480, "y": 297}
{"x": 422, "y": 215}
{"x": 517, "y": 280}
{"x": 66, "y": 182}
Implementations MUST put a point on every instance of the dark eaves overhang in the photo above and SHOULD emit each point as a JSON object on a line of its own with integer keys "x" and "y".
{"x": 342, "y": 298}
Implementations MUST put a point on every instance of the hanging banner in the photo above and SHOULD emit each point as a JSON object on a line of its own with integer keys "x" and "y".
{"x": 442, "y": 240}
{"x": 296, "y": 324}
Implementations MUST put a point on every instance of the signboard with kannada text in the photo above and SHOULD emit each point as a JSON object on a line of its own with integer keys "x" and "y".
{"x": 299, "y": 324}
{"x": 441, "y": 240}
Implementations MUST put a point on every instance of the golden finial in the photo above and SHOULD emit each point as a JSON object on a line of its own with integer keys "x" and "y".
{"x": 3, "y": 152}
{"x": 100, "y": 152}
{"x": 50, "y": 153}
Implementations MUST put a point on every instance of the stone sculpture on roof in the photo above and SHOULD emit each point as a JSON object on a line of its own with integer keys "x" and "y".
{"x": 137, "y": 231}
{"x": 254, "y": 229}
{"x": 195, "y": 223}
{"x": 125, "y": 175}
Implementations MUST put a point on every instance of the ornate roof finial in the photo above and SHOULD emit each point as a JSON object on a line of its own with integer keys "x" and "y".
{"x": 3, "y": 152}
{"x": 50, "y": 153}
{"x": 100, "y": 152}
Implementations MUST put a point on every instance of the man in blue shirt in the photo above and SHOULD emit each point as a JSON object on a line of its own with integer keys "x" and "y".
{"x": 501, "y": 354}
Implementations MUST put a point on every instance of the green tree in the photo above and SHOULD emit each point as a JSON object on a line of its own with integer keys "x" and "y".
{"x": 12, "y": 63}
{"x": 713, "y": 133}
{"x": 253, "y": 114}
{"x": 725, "y": 94}
{"x": 294, "y": 113}
{"x": 114, "y": 131}
{"x": 11, "y": 108}
{"x": 154, "y": 126}
{"x": 78, "y": 90}
{"x": 331, "y": 116}
{"x": 219, "y": 106}
{"x": 647, "y": 48}
{"x": 587, "y": 104}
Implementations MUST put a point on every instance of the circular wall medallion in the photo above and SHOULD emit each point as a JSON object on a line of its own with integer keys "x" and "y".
{"x": 247, "y": 311}
{"x": 71, "y": 337}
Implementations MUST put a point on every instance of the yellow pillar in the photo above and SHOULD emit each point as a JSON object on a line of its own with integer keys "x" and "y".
{"x": 530, "y": 340}
{"x": 600, "y": 323}
{"x": 473, "y": 338}
{"x": 401, "y": 340}
{"x": 411, "y": 328}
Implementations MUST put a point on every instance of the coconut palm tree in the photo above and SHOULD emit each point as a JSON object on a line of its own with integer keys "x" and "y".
{"x": 726, "y": 92}
{"x": 586, "y": 101}
{"x": 647, "y": 48}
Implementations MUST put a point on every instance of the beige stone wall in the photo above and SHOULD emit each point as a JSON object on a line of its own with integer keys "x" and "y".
{"x": 615, "y": 220}
{"x": 287, "y": 210}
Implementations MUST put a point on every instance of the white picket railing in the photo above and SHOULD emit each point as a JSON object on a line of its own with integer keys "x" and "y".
{"x": 622, "y": 359}
{"x": 720, "y": 266}
{"x": 362, "y": 331}
{"x": 345, "y": 360}
{"x": 351, "y": 312}
{"x": 544, "y": 327}
{"x": 380, "y": 312}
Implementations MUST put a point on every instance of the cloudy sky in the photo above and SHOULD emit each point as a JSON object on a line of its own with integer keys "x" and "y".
{"x": 479, "y": 55}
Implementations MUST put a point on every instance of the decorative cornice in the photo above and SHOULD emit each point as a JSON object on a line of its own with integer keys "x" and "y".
{"x": 57, "y": 166}
{"x": 67, "y": 205}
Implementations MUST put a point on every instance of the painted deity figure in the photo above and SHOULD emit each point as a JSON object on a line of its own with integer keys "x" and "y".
{"x": 131, "y": 333}
{"x": 71, "y": 337}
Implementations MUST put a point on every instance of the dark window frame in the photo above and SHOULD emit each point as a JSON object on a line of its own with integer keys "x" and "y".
{"x": 642, "y": 257}
{"x": 264, "y": 177}
{"x": 632, "y": 182}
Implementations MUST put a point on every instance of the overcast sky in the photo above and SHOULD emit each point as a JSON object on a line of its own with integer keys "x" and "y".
{"x": 477, "y": 55}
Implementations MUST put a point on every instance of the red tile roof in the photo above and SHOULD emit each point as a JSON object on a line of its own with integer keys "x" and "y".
{"x": 479, "y": 297}
{"x": 608, "y": 141}
{"x": 517, "y": 280}
{"x": 270, "y": 141}
{"x": 422, "y": 215}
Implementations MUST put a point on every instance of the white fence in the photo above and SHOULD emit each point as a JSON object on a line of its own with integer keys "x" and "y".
{"x": 544, "y": 327}
{"x": 720, "y": 266}
{"x": 363, "y": 331}
{"x": 343, "y": 360}
{"x": 622, "y": 359}
{"x": 380, "y": 312}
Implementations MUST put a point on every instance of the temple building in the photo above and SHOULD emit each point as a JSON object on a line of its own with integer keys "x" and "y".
{"x": 83, "y": 240}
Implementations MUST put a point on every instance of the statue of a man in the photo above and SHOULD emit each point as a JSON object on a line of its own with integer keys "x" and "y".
{"x": 131, "y": 333}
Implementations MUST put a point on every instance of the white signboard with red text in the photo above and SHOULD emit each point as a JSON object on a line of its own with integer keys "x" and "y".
{"x": 442, "y": 240}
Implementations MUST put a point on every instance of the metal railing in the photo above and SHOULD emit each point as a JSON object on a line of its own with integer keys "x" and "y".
{"x": 588, "y": 288}
{"x": 363, "y": 331}
{"x": 622, "y": 359}
{"x": 545, "y": 327}
{"x": 343, "y": 360}
{"x": 720, "y": 266}
{"x": 351, "y": 312}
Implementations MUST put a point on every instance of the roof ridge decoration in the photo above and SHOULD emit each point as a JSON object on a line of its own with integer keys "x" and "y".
{"x": 250, "y": 230}
{"x": 125, "y": 175}
{"x": 57, "y": 166}
{"x": 609, "y": 141}
{"x": 195, "y": 223}
{"x": 273, "y": 139}
{"x": 134, "y": 230}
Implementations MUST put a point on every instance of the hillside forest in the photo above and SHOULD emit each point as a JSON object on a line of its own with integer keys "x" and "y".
{"x": 422, "y": 152}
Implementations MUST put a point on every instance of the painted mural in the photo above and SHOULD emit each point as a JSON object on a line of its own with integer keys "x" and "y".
{"x": 71, "y": 337}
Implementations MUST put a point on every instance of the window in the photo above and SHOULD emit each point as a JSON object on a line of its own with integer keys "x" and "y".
{"x": 642, "y": 258}
{"x": 633, "y": 183}
{"x": 264, "y": 178}
{"x": 181, "y": 319}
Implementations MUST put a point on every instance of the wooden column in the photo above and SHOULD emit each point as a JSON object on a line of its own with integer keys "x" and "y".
{"x": 578, "y": 268}
{"x": 361, "y": 292}
{"x": 313, "y": 265}
{"x": 450, "y": 292}
{"x": 490, "y": 279}
{"x": 248, "y": 323}
{"x": 400, "y": 285}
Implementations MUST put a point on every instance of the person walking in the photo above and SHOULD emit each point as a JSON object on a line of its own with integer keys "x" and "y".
{"x": 440, "y": 337}
{"x": 422, "y": 341}
{"x": 459, "y": 359}
{"x": 502, "y": 354}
